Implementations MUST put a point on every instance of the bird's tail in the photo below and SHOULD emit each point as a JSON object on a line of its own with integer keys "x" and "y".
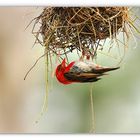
{"x": 104, "y": 70}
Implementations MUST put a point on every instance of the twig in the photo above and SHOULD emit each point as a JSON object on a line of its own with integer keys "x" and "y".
{"x": 45, "y": 102}
{"x": 92, "y": 111}
{"x": 34, "y": 65}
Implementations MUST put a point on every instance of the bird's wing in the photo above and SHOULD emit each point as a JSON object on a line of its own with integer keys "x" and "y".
{"x": 82, "y": 77}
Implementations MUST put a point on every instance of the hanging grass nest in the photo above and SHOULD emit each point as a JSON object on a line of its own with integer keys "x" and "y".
{"x": 65, "y": 29}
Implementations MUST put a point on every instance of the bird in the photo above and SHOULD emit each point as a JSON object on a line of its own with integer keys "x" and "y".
{"x": 80, "y": 72}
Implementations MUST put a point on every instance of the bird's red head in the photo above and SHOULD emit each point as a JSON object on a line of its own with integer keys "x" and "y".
{"x": 60, "y": 70}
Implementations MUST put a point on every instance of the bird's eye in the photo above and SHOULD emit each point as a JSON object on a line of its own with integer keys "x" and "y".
{"x": 59, "y": 68}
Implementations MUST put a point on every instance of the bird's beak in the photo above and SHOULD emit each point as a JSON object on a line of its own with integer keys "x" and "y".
{"x": 64, "y": 63}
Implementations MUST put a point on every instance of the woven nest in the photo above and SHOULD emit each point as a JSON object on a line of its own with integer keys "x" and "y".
{"x": 65, "y": 29}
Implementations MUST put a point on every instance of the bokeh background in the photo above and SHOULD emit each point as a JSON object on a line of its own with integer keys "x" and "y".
{"x": 116, "y": 96}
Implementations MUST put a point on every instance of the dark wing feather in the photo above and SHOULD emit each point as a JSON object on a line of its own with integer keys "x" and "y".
{"x": 82, "y": 77}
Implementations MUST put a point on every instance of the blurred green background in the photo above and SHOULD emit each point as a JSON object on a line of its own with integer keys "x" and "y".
{"x": 116, "y": 96}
